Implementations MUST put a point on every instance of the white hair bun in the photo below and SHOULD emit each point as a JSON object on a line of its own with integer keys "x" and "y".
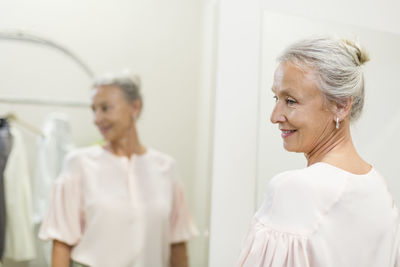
{"x": 359, "y": 53}
{"x": 128, "y": 74}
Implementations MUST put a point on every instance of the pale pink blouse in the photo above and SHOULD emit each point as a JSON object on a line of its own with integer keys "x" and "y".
{"x": 323, "y": 216}
{"x": 116, "y": 211}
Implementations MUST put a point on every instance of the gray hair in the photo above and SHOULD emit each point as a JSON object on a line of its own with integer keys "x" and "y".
{"x": 129, "y": 84}
{"x": 338, "y": 65}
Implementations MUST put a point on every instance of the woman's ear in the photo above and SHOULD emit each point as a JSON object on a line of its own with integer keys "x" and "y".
{"x": 343, "y": 110}
{"x": 137, "y": 107}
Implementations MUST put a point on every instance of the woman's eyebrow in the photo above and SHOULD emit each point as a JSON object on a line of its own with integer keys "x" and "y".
{"x": 286, "y": 91}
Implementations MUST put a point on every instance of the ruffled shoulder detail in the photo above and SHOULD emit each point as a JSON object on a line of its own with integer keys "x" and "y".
{"x": 292, "y": 209}
{"x": 182, "y": 226}
{"x": 64, "y": 220}
{"x": 267, "y": 247}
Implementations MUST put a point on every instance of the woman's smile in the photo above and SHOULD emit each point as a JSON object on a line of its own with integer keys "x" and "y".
{"x": 286, "y": 133}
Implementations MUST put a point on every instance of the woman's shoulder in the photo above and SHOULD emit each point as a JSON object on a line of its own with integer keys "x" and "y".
{"x": 318, "y": 178}
{"x": 77, "y": 156}
{"x": 314, "y": 178}
{"x": 159, "y": 160}
{"x": 318, "y": 171}
{"x": 296, "y": 199}
{"x": 158, "y": 155}
{"x": 82, "y": 152}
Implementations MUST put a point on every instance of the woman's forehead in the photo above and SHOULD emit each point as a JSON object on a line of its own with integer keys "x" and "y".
{"x": 289, "y": 78}
{"x": 106, "y": 93}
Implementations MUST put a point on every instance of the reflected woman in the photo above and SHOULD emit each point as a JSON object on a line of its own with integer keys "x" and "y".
{"x": 119, "y": 204}
{"x": 337, "y": 211}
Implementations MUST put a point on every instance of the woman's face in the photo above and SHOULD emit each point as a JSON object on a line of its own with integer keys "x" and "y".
{"x": 301, "y": 110}
{"x": 113, "y": 115}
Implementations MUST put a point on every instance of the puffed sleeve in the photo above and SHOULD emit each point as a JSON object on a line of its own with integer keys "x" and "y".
{"x": 182, "y": 227}
{"x": 265, "y": 246}
{"x": 64, "y": 218}
{"x": 278, "y": 233}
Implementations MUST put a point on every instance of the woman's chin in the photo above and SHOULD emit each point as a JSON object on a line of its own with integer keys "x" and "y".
{"x": 290, "y": 148}
{"x": 107, "y": 137}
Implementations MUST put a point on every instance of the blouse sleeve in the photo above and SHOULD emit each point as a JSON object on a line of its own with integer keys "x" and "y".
{"x": 265, "y": 246}
{"x": 64, "y": 218}
{"x": 182, "y": 227}
{"x": 278, "y": 235}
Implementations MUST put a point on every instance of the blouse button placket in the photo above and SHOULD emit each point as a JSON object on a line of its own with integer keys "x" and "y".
{"x": 131, "y": 181}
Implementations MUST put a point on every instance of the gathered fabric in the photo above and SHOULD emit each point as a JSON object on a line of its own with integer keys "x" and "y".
{"x": 267, "y": 247}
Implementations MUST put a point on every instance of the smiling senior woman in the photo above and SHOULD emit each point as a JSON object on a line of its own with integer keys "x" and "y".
{"x": 336, "y": 212}
{"x": 118, "y": 205}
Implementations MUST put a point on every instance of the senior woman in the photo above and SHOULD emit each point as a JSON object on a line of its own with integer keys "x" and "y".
{"x": 336, "y": 212}
{"x": 119, "y": 204}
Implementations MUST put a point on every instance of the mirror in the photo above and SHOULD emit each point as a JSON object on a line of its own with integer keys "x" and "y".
{"x": 169, "y": 44}
{"x": 375, "y": 132}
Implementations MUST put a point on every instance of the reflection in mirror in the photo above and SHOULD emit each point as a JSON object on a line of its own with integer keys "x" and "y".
{"x": 49, "y": 94}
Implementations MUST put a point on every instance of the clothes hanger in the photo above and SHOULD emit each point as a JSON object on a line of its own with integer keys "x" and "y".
{"x": 26, "y": 125}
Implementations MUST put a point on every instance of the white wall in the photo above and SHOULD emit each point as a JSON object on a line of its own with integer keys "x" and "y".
{"x": 163, "y": 41}
{"x": 205, "y": 121}
{"x": 234, "y": 159}
{"x": 235, "y": 155}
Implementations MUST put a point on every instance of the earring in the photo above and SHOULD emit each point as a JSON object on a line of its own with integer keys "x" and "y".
{"x": 337, "y": 122}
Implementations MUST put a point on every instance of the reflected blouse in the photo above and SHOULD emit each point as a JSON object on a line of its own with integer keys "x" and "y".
{"x": 116, "y": 211}
{"x": 323, "y": 216}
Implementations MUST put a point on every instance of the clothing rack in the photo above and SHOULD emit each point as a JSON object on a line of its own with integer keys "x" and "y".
{"x": 24, "y": 36}
{"x": 26, "y": 125}
{"x": 43, "y": 102}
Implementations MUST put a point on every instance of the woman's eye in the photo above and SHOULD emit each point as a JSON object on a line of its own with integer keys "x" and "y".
{"x": 275, "y": 98}
{"x": 290, "y": 101}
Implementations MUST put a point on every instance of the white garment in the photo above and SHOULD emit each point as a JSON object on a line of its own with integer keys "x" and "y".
{"x": 52, "y": 148}
{"x": 116, "y": 211}
{"x": 19, "y": 243}
{"x": 323, "y": 216}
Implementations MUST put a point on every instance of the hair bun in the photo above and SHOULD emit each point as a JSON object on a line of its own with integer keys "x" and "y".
{"x": 134, "y": 78}
{"x": 359, "y": 53}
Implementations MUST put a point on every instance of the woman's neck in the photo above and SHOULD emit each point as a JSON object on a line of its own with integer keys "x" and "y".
{"x": 335, "y": 143}
{"x": 127, "y": 145}
{"x": 338, "y": 150}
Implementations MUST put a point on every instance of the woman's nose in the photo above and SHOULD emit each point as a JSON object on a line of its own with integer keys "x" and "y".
{"x": 277, "y": 115}
{"x": 97, "y": 117}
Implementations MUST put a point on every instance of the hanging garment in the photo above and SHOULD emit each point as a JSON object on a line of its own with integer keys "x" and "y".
{"x": 5, "y": 149}
{"x": 19, "y": 244}
{"x": 55, "y": 143}
{"x": 116, "y": 211}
